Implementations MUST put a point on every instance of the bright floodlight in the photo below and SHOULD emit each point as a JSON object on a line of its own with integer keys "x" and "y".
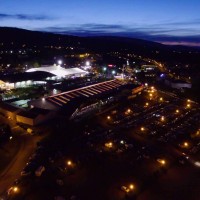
{"x": 60, "y": 62}
{"x": 113, "y": 72}
{"x": 104, "y": 69}
{"x": 87, "y": 63}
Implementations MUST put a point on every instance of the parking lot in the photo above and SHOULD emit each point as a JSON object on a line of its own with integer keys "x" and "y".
{"x": 122, "y": 153}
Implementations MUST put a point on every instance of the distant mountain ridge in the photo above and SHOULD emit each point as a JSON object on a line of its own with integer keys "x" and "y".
{"x": 22, "y": 36}
{"x": 101, "y": 43}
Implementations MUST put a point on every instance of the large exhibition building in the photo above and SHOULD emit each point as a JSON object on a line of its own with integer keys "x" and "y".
{"x": 39, "y": 76}
{"x": 59, "y": 71}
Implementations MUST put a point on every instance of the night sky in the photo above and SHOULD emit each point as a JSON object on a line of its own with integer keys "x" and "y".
{"x": 166, "y": 21}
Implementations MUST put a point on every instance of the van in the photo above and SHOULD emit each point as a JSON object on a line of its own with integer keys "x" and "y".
{"x": 39, "y": 170}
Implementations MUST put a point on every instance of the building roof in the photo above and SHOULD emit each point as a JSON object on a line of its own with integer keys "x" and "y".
{"x": 58, "y": 71}
{"x": 42, "y": 103}
{"x": 178, "y": 81}
{"x": 34, "y": 76}
{"x": 84, "y": 92}
{"x": 40, "y": 111}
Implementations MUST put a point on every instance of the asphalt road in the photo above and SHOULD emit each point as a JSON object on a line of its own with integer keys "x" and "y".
{"x": 13, "y": 170}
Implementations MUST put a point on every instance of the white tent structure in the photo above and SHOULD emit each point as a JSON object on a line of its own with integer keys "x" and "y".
{"x": 60, "y": 71}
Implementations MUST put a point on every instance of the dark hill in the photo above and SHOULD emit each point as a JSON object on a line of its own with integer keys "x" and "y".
{"x": 18, "y": 37}
{"x": 22, "y": 36}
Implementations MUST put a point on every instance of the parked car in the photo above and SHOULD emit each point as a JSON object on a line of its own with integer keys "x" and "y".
{"x": 39, "y": 170}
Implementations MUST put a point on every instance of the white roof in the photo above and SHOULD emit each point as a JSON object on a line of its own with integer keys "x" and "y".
{"x": 58, "y": 71}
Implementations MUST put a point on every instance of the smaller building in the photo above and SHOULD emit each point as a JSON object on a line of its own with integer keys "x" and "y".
{"x": 34, "y": 116}
{"x": 148, "y": 68}
{"x": 178, "y": 84}
{"x": 23, "y": 80}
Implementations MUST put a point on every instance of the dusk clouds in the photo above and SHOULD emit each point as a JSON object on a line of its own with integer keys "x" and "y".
{"x": 164, "y": 33}
{"x": 167, "y": 21}
{"x": 24, "y": 17}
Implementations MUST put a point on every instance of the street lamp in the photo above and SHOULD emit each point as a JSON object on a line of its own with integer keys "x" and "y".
{"x": 161, "y": 161}
{"x": 69, "y": 163}
{"x": 15, "y": 189}
{"x": 108, "y": 117}
{"x": 188, "y": 105}
{"x": 131, "y": 186}
{"x": 162, "y": 118}
{"x": 113, "y": 72}
{"x": 109, "y": 145}
{"x": 185, "y": 144}
{"x": 104, "y": 69}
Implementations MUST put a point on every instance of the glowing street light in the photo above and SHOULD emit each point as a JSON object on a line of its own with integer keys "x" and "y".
{"x": 104, "y": 69}
{"x": 197, "y": 133}
{"x": 162, "y": 118}
{"x": 15, "y": 189}
{"x": 69, "y": 162}
{"x": 142, "y": 129}
{"x": 128, "y": 111}
{"x": 177, "y": 111}
{"x": 161, "y": 161}
{"x": 108, "y": 117}
{"x": 161, "y": 99}
{"x": 146, "y": 104}
{"x": 188, "y": 105}
{"x": 109, "y": 144}
{"x": 131, "y": 186}
{"x": 185, "y": 144}
{"x": 188, "y": 100}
